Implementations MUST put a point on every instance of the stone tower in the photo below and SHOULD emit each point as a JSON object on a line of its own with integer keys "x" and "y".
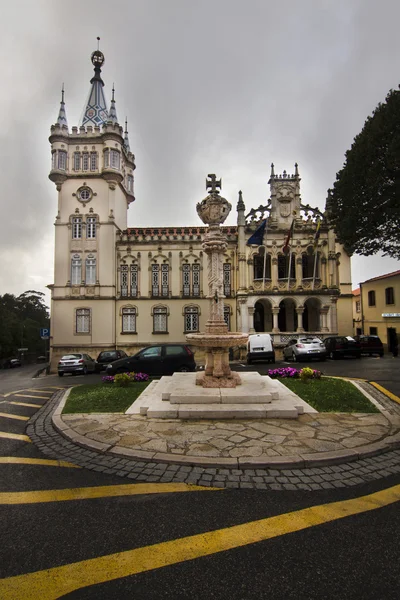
{"x": 92, "y": 168}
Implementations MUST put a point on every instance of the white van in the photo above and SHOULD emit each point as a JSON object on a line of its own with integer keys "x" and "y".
{"x": 260, "y": 347}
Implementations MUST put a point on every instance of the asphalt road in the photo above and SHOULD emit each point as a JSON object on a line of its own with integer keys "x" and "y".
{"x": 157, "y": 542}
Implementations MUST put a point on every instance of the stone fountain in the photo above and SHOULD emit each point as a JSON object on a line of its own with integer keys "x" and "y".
{"x": 217, "y": 392}
{"x": 216, "y": 340}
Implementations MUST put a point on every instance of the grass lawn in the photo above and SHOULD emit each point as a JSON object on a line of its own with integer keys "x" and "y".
{"x": 330, "y": 395}
{"x": 103, "y": 398}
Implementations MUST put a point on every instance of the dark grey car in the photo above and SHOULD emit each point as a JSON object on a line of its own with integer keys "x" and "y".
{"x": 76, "y": 364}
{"x": 160, "y": 359}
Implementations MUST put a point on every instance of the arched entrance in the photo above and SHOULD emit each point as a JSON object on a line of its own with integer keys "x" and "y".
{"x": 262, "y": 316}
{"x": 287, "y": 317}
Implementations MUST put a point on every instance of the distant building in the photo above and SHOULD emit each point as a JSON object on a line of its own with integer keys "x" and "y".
{"x": 357, "y": 318}
{"x": 120, "y": 287}
{"x": 380, "y": 307}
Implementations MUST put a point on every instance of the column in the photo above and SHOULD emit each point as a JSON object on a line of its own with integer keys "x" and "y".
{"x": 250, "y": 310}
{"x": 300, "y": 311}
{"x": 275, "y": 313}
{"x": 274, "y": 272}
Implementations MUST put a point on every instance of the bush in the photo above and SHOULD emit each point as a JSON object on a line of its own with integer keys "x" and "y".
{"x": 122, "y": 379}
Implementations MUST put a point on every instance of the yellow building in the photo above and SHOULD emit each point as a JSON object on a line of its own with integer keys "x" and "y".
{"x": 120, "y": 287}
{"x": 380, "y": 307}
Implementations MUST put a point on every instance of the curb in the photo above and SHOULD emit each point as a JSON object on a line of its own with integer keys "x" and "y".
{"x": 317, "y": 459}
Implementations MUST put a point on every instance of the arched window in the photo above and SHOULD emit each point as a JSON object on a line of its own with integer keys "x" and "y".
{"x": 129, "y": 320}
{"x": 308, "y": 264}
{"x": 389, "y": 295}
{"x": 76, "y": 270}
{"x": 83, "y": 320}
{"x": 90, "y": 270}
{"x": 284, "y": 260}
{"x": 191, "y": 319}
{"x": 262, "y": 264}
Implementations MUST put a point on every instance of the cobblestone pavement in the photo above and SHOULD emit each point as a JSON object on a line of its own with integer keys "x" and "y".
{"x": 342, "y": 469}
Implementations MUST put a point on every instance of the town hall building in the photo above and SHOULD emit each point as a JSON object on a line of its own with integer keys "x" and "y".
{"x": 127, "y": 287}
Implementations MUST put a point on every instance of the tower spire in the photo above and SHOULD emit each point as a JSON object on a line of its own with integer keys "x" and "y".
{"x": 95, "y": 110}
{"x": 112, "y": 114}
{"x": 62, "y": 116}
{"x": 126, "y": 138}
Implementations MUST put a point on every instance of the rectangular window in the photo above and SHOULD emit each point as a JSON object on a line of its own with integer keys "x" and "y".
{"x": 371, "y": 298}
{"x": 124, "y": 280}
{"x": 196, "y": 280}
{"x": 76, "y": 228}
{"x": 130, "y": 183}
{"x": 106, "y": 159}
{"x": 115, "y": 159}
{"x": 389, "y": 295}
{"x": 227, "y": 317}
{"x": 134, "y": 280}
{"x": 91, "y": 227}
{"x": 93, "y": 161}
{"x": 358, "y": 306}
{"x": 154, "y": 280}
{"x": 373, "y": 331}
{"x": 160, "y": 320}
{"x": 90, "y": 271}
{"x": 164, "y": 280}
{"x": 85, "y": 161}
{"x": 76, "y": 270}
{"x": 77, "y": 161}
{"x": 191, "y": 319}
{"x": 83, "y": 320}
{"x": 129, "y": 320}
{"x": 186, "y": 280}
{"x": 227, "y": 279}
{"x": 62, "y": 160}
{"x": 54, "y": 160}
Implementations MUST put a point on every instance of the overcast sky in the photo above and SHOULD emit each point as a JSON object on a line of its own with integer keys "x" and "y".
{"x": 208, "y": 86}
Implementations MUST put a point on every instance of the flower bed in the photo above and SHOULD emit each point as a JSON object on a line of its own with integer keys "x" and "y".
{"x": 305, "y": 373}
{"x": 125, "y": 378}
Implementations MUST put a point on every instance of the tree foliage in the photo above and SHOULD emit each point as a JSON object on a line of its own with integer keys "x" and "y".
{"x": 364, "y": 207}
{"x": 21, "y": 319}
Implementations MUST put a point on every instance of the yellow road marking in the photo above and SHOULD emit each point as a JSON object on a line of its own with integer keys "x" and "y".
{"x": 105, "y": 491}
{"x": 53, "y": 583}
{"x": 40, "y": 391}
{"x": 14, "y": 436}
{"x": 16, "y": 460}
{"x": 386, "y": 392}
{"x": 30, "y": 396}
{"x": 25, "y": 404}
{"x": 10, "y": 416}
{"x": 11, "y": 393}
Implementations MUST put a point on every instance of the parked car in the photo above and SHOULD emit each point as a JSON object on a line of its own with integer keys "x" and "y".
{"x": 370, "y": 344}
{"x": 339, "y": 346}
{"x": 304, "y": 348}
{"x": 11, "y": 363}
{"x": 160, "y": 359}
{"x": 260, "y": 347}
{"x": 76, "y": 363}
{"x": 106, "y": 357}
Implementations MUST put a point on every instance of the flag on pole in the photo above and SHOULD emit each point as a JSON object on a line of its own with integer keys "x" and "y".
{"x": 289, "y": 236}
{"x": 258, "y": 235}
{"x": 317, "y": 233}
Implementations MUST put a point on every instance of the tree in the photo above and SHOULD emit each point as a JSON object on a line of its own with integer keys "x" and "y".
{"x": 364, "y": 207}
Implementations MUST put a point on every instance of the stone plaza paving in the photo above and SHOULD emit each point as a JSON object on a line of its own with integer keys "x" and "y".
{"x": 316, "y": 451}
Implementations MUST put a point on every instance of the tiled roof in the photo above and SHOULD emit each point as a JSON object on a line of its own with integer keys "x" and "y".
{"x": 356, "y": 292}
{"x": 383, "y": 276}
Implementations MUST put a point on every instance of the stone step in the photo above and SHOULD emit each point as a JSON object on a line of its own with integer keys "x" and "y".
{"x": 279, "y": 410}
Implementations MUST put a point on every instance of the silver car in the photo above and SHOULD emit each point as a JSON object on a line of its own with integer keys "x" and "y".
{"x": 76, "y": 363}
{"x": 304, "y": 348}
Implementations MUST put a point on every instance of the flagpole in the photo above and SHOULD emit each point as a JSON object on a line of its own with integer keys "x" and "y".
{"x": 315, "y": 268}
{"x": 264, "y": 267}
{"x": 315, "y": 251}
{"x": 290, "y": 266}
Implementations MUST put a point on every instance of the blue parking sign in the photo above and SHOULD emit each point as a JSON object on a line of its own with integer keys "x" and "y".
{"x": 44, "y": 333}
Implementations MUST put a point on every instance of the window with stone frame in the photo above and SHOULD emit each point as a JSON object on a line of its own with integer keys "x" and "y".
{"x": 160, "y": 280}
{"x": 76, "y": 228}
{"x": 307, "y": 263}
{"x": 259, "y": 264}
{"x": 129, "y": 280}
{"x": 123, "y": 276}
{"x": 76, "y": 270}
{"x": 284, "y": 260}
{"x": 133, "y": 270}
{"x": 129, "y": 183}
{"x": 227, "y": 316}
{"x": 106, "y": 158}
{"x": 191, "y": 280}
{"x": 62, "y": 160}
{"x": 129, "y": 320}
{"x": 85, "y": 161}
{"x": 90, "y": 270}
{"x": 115, "y": 159}
{"x": 91, "y": 227}
{"x": 389, "y": 295}
{"x": 358, "y": 306}
{"x": 227, "y": 282}
{"x": 77, "y": 161}
{"x": 191, "y": 319}
{"x": 82, "y": 320}
{"x": 160, "y": 319}
{"x": 93, "y": 161}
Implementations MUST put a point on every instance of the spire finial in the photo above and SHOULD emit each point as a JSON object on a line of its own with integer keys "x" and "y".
{"x": 126, "y": 138}
{"x": 95, "y": 111}
{"x": 296, "y": 169}
{"x": 98, "y": 43}
{"x": 62, "y": 93}
{"x": 62, "y": 117}
{"x": 112, "y": 115}
{"x": 113, "y": 90}
{"x": 272, "y": 170}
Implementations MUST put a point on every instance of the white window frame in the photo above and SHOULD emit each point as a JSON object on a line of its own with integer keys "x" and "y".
{"x": 82, "y": 320}
{"x": 191, "y": 319}
{"x": 77, "y": 161}
{"x": 160, "y": 319}
{"x": 62, "y": 160}
{"x": 129, "y": 183}
{"x": 91, "y": 227}
{"x": 90, "y": 270}
{"x": 85, "y": 161}
{"x": 93, "y": 161}
{"x": 115, "y": 159}
{"x": 77, "y": 228}
{"x": 76, "y": 270}
{"x": 129, "y": 320}
{"x": 106, "y": 158}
